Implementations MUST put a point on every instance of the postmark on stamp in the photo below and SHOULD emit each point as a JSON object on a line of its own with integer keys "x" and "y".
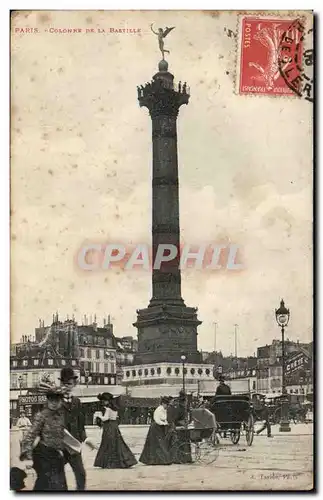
{"x": 296, "y": 59}
{"x": 260, "y": 68}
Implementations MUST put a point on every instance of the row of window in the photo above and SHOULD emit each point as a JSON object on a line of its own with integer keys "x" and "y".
{"x": 21, "y": 381}
{"x": 36, "y": 362}
{"x": 169, "y": 371}
{"x": 97, "y": 380}
{"x": 95, "y": 340}
{"x": 96, "y": 354}
{"x": 98, "y": 367}
{"x": 250, "y": 373}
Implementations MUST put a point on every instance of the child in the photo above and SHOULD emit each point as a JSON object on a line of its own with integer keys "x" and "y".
{"x": 47, "y": 456}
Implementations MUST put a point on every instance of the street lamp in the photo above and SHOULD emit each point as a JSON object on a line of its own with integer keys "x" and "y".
{"x": 282, "y": 318}
{"x": 183, "y": 359}
{"x": 20, "y": 379}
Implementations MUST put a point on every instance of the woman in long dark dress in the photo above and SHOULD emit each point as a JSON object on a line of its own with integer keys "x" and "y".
{"x": 113, "y": 452}
{"x": 178, "y": 418}
{"x": 156, "y": 449}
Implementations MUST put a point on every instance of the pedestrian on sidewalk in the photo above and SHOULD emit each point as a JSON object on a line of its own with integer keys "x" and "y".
{"x": 23, "y": 425}
{"x": 266, "y": 422}
{"x": 74, "y": 423}
{"x": 47, "y": 455}
{"x": 113, "y": 452}
{"x": 157, "y": 449}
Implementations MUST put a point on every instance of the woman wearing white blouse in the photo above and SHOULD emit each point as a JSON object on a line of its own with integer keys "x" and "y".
{"x": 156, "y": 449}
{"x": 113, "y": 452}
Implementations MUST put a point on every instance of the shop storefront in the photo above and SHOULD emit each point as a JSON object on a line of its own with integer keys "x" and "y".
{"x": 31, "y": 404}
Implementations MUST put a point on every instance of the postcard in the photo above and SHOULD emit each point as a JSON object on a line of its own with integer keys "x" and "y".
{"x": 162, "y": 250}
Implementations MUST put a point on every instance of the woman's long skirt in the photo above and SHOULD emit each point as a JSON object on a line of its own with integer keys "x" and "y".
{"x": 49, "y": 467}
{"x": 113, "y": 452}
{"x": 156, "y": 450}
{"x": 180, "y": 446}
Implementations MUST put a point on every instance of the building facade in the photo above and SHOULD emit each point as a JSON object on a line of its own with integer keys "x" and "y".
{"x": 89, "y": 349}
{"x": 298, "y": 368}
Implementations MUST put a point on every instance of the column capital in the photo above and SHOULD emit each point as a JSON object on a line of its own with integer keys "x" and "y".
{"x": 162, "y": 97}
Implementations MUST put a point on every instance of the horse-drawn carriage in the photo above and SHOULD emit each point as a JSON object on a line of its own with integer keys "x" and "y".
{"x": 234, "y": 416}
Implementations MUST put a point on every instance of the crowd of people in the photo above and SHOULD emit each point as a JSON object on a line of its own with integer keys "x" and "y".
{"x": 55, "y": 436}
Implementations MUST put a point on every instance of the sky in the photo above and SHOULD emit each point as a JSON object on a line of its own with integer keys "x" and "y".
{"x": 81, "y": 172}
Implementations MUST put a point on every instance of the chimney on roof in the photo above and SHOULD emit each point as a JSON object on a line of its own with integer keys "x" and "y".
{"x": 104, "y": 322}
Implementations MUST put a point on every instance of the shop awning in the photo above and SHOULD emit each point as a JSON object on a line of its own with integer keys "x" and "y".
{"x": 130, "y": 402}
{"x": 94, "y": 390}
{"x": 89, "y": 399}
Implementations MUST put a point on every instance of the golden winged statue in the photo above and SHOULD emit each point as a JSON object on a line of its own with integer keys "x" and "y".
{"x": 161, "y": 34}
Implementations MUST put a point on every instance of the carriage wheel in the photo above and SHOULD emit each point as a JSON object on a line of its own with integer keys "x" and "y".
{"x": 186, "y": 453}
{"x": 208, "y": 452}
{"x": 250, "y": 430}
{"x": 235, "y": 436}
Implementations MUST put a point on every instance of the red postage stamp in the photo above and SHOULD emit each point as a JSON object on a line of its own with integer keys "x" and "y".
{"x": 260, "y": 62}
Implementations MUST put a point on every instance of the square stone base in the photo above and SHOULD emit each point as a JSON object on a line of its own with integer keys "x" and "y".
{"x": 167, "y": 332}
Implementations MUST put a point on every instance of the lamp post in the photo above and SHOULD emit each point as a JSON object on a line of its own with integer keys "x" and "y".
{"x": 183, "y": 359}
{"x": 20, "y": 379}
{"x": 282, "y": 318}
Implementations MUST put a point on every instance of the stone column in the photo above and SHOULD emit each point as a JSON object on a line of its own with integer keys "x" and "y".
{"x": 167, "y": 328}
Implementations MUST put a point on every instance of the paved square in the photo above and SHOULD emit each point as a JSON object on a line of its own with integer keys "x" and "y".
{"x": 284, "y": 462}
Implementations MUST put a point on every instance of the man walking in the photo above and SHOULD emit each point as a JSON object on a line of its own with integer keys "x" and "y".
{"x": 74, "y": 423}
{"x": 264, "y": 412}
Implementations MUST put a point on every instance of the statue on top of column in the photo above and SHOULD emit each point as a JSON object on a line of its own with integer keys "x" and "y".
{"x": 161, "y": 34}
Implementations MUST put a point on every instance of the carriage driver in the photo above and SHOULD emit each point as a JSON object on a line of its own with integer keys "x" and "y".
{"x": 222, "y": 389}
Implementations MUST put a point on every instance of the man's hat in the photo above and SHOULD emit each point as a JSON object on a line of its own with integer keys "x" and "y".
{"x": 165, "y": 400}
{"x": 67, "y": 373}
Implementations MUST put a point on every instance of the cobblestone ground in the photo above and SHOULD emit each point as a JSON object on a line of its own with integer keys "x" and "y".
{"x": 284, "y": 462}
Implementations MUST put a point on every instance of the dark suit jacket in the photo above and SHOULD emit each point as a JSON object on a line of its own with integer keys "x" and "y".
{"x": 74, "y": 419}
